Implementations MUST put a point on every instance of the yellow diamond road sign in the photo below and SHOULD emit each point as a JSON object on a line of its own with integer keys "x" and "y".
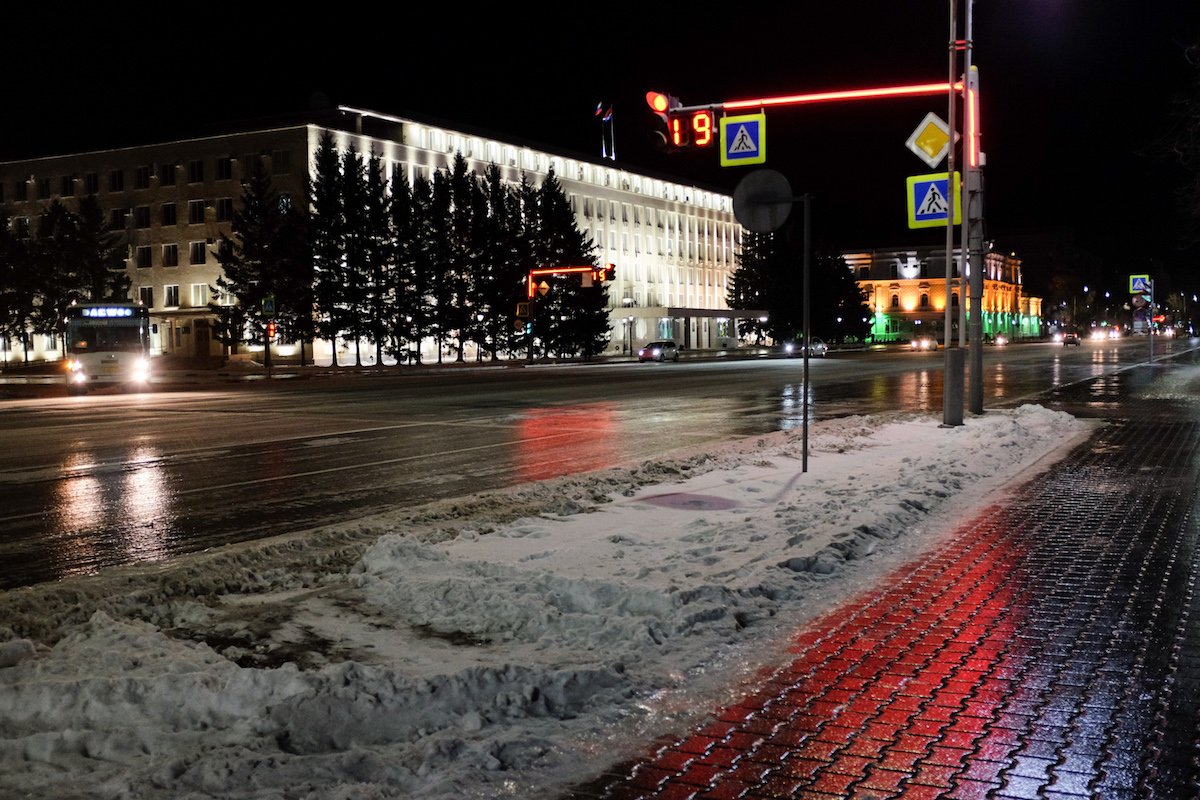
{"x": 931, "y": 140}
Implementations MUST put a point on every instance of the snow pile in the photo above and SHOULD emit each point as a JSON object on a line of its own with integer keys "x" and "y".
{"x": 506, "y": 645}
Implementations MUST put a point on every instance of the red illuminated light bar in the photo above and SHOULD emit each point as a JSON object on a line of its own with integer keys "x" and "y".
{"x": 915, "y": 90}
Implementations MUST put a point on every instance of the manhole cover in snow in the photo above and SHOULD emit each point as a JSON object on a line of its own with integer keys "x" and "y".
{"x": 695, "y": 502}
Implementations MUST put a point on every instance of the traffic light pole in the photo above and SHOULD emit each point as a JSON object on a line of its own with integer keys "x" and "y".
{"x": 972, "y": 231}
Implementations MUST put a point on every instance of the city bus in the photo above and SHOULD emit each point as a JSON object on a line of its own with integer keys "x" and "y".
{"x": 107, "y": 343}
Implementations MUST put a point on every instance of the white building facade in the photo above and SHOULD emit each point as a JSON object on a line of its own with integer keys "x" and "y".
{"x": 673, "y": 244}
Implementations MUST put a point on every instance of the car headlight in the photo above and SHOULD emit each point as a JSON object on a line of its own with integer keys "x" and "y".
{"x": 141, "y": 370}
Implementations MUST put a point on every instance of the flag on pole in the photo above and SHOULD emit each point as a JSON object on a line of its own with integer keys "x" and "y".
{"x": 608, "y": 114}
{"x": 599, "y": 108}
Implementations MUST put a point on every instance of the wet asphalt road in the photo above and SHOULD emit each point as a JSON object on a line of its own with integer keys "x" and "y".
{"x": 115, "y": 479}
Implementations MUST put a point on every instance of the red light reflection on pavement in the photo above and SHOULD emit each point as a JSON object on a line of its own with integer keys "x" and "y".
{"x": 908, "y": 691}
{"x": 560, "y": 441}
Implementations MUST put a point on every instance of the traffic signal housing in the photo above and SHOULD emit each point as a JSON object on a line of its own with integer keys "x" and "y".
{"x": 682, "y": 129}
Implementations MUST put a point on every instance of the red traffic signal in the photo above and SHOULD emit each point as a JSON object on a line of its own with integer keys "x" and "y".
{"x": 661, "y": 103}
{"x": 271, "y": 329}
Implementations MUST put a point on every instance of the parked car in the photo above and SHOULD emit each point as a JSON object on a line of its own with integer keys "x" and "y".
{"x": 796, "y": 349}
{"x": 659, "y": 351}
{"x": 923, "y": 342}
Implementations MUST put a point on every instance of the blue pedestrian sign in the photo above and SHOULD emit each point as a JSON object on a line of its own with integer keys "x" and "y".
{"x": 1140, "y": 284}
{"x": 929, "y": 200}
{"x": 744, "y": 140}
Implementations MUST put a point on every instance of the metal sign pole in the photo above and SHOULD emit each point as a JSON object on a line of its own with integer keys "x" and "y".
{"x": 807, "y": 200}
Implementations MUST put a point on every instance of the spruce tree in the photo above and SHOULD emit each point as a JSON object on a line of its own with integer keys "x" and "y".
{"x": 424, "y": 263}
{"x": 327, "y": 235}
{"x": 402, "y": 280}
{"x": 380, "y": 247}
{"x": 441, "y": 252}
{"x": 102, "y": 251}
{"x": 357, "y": 271}
{"x": 252, "y": 264}
{"x": 461, "y": 313}
{"x": 574, "y": 316}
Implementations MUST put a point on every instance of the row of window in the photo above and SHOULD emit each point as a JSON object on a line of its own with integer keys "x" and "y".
{"x": 197, "y": 255}
{"x": 115, "y": 180}
{"x": 168, "y": 213}
{"x": 201, "y": 294}
{"x": 924, "y": 301}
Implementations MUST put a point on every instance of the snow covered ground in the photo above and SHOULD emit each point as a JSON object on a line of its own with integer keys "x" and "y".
{"x": 507, "y": 645}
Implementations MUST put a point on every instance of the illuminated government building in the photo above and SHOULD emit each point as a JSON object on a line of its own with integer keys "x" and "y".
{"x": 905, "y": 289}
{"x": 673, "y": 244}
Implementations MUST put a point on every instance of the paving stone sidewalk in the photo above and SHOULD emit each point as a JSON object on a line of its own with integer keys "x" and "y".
{"x": 1051, "y": 650}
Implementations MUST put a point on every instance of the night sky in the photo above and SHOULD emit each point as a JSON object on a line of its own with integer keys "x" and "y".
{"x": 1077, "y": 95}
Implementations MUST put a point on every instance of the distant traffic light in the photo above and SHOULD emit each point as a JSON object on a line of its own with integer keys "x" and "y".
{"x": 271, "y": 329}
{"x": 683, "y": 129}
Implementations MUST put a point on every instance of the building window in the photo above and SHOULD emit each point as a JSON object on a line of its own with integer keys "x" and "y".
{"x": 196, "y": 171}
{"x": 91, "y": 183}
{"x": 864, "y": 273}
{"x": 285, "y": 202}
{"x": 895, "y": 301}
{"x": 22, "y": 192}
{"x": 67, "y": 189}
{"x": 141, "y": 217}
{"x": 116, "y": 180}
{"x": 281, "y": 162}
{"x": 168, "y": 214}
{"x": 146, "y": 296}
{"x": 118, "y": 218}
{"x": 954, "y": 300}
{"x": 142, "y": 256}
{"x": 171, "y": 300}
{"x": 141, "y": 178}
{"x": 224, "y": 209}
{"x": 43, "y": 188}
{"x": 199, "y": 295}
{"x": 225, "y": 169}
{"x": 197, "y": 253}
{"x": 924, "y": 301}
{"x": 166, "y": 174}
{"x": 195, "y": 212}
{"x": 170, "y": 255}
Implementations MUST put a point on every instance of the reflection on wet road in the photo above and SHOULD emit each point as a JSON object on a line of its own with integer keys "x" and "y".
{"x": 100, "y": 481}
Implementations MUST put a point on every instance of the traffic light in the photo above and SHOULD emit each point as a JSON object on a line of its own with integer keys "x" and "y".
{"x": 683, "y": 129}
{"x": 271, "y": 329}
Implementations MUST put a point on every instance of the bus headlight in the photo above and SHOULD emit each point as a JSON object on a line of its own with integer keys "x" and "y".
{"x": 73, "y": 365}
{"x": 141, "y": 370}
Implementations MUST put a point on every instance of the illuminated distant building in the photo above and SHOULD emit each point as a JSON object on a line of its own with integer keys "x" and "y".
{"x": 906, "y": 292}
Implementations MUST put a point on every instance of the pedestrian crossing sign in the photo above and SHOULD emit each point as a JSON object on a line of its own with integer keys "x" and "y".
{"x": 1140, "y": 284}
{"x": 929, "y": 201}
{"x": 744, "y": 140}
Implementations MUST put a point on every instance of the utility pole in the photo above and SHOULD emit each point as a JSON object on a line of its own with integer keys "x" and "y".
{"x": 972, "y": 219}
